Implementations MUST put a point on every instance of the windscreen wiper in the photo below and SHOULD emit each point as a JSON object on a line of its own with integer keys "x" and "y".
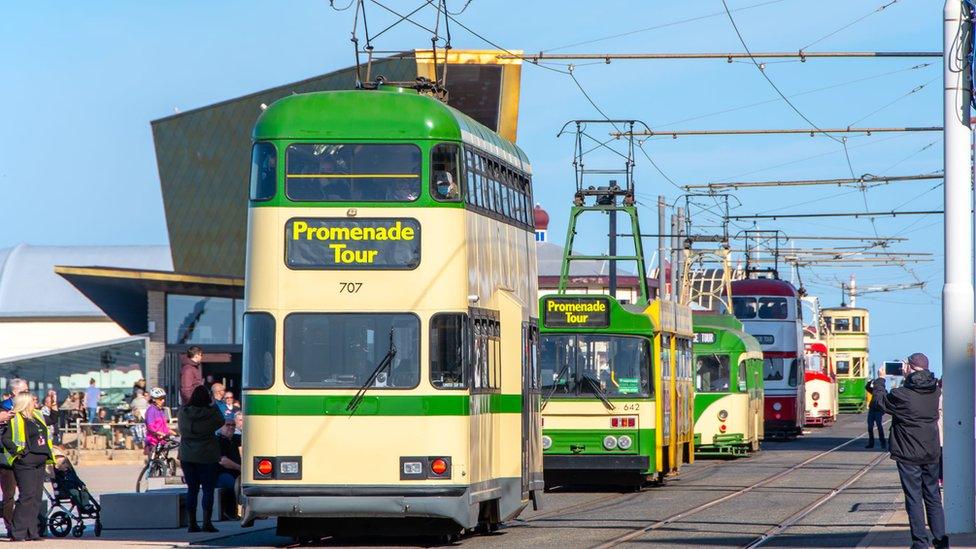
{"x": 384, "y": 363}
{"x": 599, "y": 392}
{"x": 555, "y": 385}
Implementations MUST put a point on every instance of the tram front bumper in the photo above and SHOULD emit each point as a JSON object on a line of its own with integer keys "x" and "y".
{"x": 596, "y": 462}
{"x": 448, "y": 502}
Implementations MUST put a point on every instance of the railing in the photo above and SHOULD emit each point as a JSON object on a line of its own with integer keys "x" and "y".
{"x": 114, "y": 436}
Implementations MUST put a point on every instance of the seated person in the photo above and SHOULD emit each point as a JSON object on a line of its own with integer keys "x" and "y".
{"x": 229, "y": 466}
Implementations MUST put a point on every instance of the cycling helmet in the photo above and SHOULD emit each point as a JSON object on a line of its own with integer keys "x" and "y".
{"x": 157, "y": 392}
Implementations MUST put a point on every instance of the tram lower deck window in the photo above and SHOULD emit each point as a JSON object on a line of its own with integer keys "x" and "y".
{"x": 447, "y": 351}
{"x": 259, "y": 351}
{"x": 343, "y": 350}
{"x": 712, "y": 373}
{"x": 591, "y": 365}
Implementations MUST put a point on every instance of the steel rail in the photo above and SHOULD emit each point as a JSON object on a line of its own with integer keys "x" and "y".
{"x": 799, "y": 515}
{"x": 813, "y": 132}
{"x": 868, "y": 180}
{"x": 729, "y": 57}
{"x": 708, "y": 505}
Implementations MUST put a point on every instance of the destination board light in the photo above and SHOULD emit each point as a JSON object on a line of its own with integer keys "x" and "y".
{"x": 349, "y": 244}
{"x": 704, "y": 337}
{"x": 576, "y": 312}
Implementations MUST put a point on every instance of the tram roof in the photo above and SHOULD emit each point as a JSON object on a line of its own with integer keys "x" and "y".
{"x": 826, "y": 310}
{"x": 763, "y": 286}
{"x": 729, "y": 335}
{"x": 389, "y": 113}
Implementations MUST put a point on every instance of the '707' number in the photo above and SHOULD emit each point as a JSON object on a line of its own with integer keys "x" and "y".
{"x": 350, "y": 287}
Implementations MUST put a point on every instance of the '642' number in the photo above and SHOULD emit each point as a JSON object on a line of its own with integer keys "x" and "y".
{"x": 350, "y": 287}
{"x": 633, "y": 407}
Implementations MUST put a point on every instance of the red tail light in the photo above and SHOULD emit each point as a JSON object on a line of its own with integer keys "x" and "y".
{"x": 438, "y": 466}
{"x": 721, "y": 428}
{"x": 615, "y": 422}
{"x": 265, "y": 467}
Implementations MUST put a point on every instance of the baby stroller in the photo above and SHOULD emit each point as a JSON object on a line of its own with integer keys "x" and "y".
{"x": 71, "y": 503}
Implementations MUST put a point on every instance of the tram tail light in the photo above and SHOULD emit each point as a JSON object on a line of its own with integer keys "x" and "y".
{"x": 263, "y": 468}
{"x": 425, "y": 467}
{"x": 623, "y": 422}
{"x": 438, "y": 466}
{"x": 280, "y": 468}
{"x": 721, "y": 428}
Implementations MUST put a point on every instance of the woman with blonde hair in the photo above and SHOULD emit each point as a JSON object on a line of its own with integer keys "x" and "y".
{"x": 27, "y": 448}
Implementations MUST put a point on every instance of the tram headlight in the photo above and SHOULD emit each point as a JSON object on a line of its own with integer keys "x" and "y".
{"x": 777, "y": 406}
{"x": 723, "y": 415}
{"x": 841, "y": 389}
{"x": 624, "y": 442}
{"x": 609, "y": 442}
{"x": 546, "y": 442}
{"x": 815, "y": 396}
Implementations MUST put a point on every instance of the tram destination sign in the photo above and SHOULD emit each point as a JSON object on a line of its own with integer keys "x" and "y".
{"x": 704, "y": 338}
{"x": 576, "y": 312}
{"x": 351, "y": 244}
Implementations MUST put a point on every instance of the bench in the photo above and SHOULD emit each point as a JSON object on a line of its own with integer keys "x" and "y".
{"x": 163, "y": 508}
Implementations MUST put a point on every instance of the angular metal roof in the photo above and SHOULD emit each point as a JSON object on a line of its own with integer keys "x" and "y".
{"x": 29, "y": 287}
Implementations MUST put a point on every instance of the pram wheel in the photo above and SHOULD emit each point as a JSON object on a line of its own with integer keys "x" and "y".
{"x": 78, "y": 531}
{"x": 98, "y": 528}
{"x": 59, "y": 523}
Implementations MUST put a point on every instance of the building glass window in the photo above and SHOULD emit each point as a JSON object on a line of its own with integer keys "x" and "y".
{"x": 115, "y": 367}
{"x": 198, "y": 320}
{"x": 238, "y": 321}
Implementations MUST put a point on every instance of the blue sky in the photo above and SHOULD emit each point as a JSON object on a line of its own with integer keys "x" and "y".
{"x": 82, "y": 81}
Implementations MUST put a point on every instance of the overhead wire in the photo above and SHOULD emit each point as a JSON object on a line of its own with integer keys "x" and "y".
{"x": 877, "y": 10}
{"x": 911, "y": 92}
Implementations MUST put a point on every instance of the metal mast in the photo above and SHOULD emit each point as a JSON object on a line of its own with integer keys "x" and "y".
{"x": 957, "y": 293}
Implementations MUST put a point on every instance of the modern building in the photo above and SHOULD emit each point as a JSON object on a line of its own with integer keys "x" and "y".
{"x": 195, "y": 296}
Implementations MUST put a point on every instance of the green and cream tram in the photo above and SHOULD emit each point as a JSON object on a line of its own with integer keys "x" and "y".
{"x": 390, "y": 334}
{"x": 617, "y": 391}
{"x": 849, "y": 354}
{"x": 728, "y": 387}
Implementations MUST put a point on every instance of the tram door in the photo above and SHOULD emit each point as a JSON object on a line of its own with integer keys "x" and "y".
{"x": 528, "y": 382}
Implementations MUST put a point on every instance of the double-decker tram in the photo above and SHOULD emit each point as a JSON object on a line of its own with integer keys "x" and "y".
{"x": 849, "y": 353}
{"x": 728, "y": 387}
{"x": 390, "y": 334}
{"x": 819, "y": 378}
{"x": 616, "y": 384}
{"x": 770, "y": 311}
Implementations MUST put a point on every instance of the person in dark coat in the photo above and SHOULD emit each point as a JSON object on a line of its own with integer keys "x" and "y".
{"x": 199, "y": 454}
{"x": 191, "y": 375}
{"x": 914, "y": 443}
{"x": 875, "y": 415}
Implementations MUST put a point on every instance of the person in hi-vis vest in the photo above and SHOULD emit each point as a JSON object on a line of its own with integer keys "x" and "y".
{"x": 27, "y": 448}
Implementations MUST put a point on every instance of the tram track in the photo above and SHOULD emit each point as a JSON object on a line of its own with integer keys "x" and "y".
{"x": 810, "y": 508}
{"x": 779, "y": 528}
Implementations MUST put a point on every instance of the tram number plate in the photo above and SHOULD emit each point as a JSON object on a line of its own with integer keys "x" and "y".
{"x": 632, "y": 407}
{"x": 576, "y": 312}
{"x": 350, "y": 287}
{"x": 341, "y": 244}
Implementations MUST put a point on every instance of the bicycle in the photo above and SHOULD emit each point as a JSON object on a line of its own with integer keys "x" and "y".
{"x": 159, "y": 464}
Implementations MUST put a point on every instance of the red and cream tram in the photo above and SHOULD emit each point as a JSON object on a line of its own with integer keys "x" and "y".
{"x": 770, "y": 311}
{"x": 819, "y": 377}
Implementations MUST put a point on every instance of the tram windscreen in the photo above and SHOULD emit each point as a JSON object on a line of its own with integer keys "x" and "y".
{"x": 712, "y": 373}
{"x": 341, "y": 350}
{"x": 576, "y": 365}
{"x": 843, "y": 367}
{"x": 336, "y": 172}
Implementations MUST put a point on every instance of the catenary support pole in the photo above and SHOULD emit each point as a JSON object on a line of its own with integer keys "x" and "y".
{"x": 957, "y": 293}
{"x": 661, "y": 279}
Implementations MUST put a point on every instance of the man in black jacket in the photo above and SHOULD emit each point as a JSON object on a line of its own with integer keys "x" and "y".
{"x": 914, "y": 443}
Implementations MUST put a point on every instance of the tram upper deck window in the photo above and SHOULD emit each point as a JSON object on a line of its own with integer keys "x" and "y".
{"x": 584, "y": 365}
{"x": 773, "y": 308}
{"x": 842, "y": 324}
{"x": 445, "y": 172}
{"x": 857, "y": 324}
{"x": 259, "y": 350}
{"x": 712, "y": 373}
{"x": 744, "y": 307}
{"x": 342, "y": 350}
{"x": 447, "y": 351}
{"x": 352, "y": 172}
{"x": 264, "y": 174}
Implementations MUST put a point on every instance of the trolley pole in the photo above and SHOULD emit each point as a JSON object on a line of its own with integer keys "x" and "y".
{"x": 957, "y": 293}
{"x": 661, "y": 280}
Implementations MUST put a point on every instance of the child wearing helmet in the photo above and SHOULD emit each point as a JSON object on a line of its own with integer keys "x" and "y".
{"x": 157, "y": 428}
